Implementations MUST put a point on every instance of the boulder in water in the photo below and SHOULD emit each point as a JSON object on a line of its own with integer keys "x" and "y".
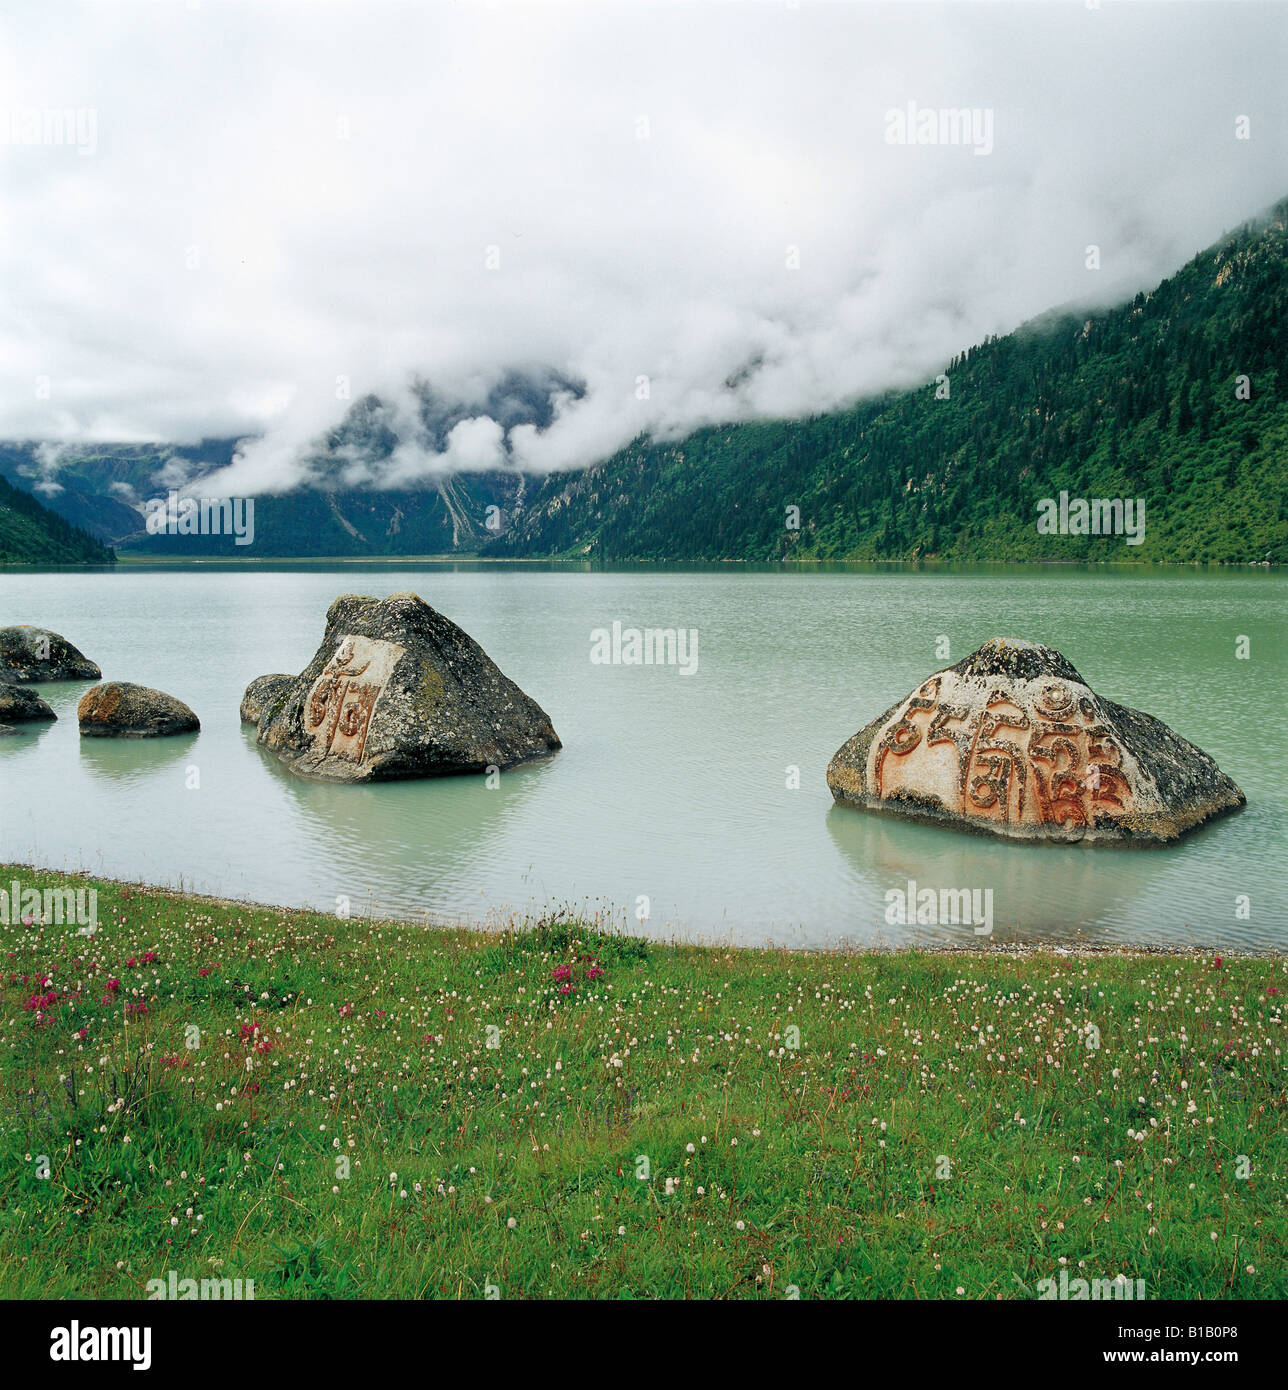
{"x": 118, "y": 709}
{"x": 20, "y": 706}
{"x": 398, "y": 690}
{"x": 1012, "y": 741}
{"x": 30, "y": 654}
{"x": 264, "y": 693}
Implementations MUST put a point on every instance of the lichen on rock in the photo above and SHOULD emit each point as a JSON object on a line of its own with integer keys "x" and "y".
{"x": 119, "y": 709}
{"x": 264, "y": 694}
{"x": 30, "y": 654}
{"x": 396, "y": 690}
{"x": 1011, "y": 741}
{"x": 19, "y": 705}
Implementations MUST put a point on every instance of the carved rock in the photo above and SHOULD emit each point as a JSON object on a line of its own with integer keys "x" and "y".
{"x": 397, "y": 690}
{"x": 118, "y": 709}
{"x": 35, "y": 654}
{"x": 1012, "y": 741}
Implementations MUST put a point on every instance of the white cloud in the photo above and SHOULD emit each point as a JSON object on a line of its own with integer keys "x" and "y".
{"x": 284, "y": 197}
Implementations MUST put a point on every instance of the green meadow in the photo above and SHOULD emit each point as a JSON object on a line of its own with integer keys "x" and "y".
{"x": 375, "y": 1109}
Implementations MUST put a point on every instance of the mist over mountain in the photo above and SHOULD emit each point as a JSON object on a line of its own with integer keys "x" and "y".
{"x": 580, "y": 232}
{"x": 1174, "y": 398}
{"x": 397, "y": 291}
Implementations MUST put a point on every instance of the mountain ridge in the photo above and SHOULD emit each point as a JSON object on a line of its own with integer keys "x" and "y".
{"x": 1140, "y": 402}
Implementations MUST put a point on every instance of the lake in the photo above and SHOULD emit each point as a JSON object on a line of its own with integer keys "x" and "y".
{"x": 674, "y": 794}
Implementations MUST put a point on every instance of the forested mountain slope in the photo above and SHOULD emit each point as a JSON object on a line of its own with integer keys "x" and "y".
{"x": 31, "y": 533}
{"x": 1144, "y": 401}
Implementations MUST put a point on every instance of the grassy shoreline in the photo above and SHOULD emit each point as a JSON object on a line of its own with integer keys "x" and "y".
{"x": 354, "y": 1108}
{"x": 128, "y": 557}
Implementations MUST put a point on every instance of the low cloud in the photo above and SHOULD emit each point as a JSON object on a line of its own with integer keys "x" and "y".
{"x": 380, "y": 242}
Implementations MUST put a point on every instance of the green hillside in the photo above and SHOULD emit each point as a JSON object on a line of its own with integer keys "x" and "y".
{"x": 31, "y": 534}
{"x": 1139, "y": 402}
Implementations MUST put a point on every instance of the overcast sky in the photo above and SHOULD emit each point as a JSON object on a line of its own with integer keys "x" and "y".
{"x": 264, "y": 204}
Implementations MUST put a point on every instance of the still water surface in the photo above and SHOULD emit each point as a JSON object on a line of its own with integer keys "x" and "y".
{"x": 670, "y": 788}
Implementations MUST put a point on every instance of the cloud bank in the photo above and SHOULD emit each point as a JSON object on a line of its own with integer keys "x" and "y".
{"x": 536, "y": 231}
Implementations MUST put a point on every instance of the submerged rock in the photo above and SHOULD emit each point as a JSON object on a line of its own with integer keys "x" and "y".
{"x": 19, "y": 706}
{"x": 264, "y": 692}
{"x": 35, "y": 654}
{"x": 397, "y": 690}
{"x": 118, "y": 709}
{"x": 1012, "y": 741}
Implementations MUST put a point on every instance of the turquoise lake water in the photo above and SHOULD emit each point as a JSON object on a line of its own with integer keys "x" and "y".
{"x": 673, "y": 794}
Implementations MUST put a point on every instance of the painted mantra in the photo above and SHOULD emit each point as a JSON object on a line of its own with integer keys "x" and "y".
{"x": 1034, "y": 753}
{"x": 342, "y": 701}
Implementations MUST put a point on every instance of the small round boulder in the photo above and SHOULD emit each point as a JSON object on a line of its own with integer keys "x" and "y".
{"x": 36, "y": 654}
{"x": 19, "y": 706}
{"x": 118, "y": 709}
